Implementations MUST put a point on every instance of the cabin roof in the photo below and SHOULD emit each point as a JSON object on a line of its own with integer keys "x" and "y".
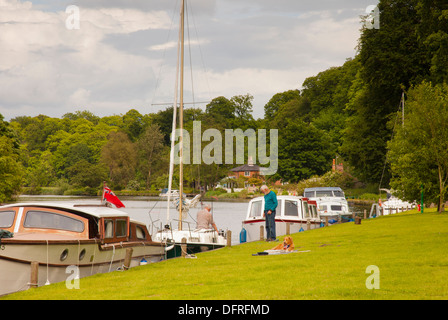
{"x": 282, "y": 197}
{"x": 95, "y": 211}
{"x": 246, "y": 167}
{"x": 323, "y": 188}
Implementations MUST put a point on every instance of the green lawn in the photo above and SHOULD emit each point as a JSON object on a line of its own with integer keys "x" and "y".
{"x": 410, "y": 251}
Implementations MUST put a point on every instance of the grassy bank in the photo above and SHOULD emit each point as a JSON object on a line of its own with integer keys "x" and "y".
{"x": 409, "y": 249}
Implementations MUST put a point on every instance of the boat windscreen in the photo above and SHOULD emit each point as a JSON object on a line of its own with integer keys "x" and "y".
{"x": 339, "y": 194}
{"x": 6, "y": 218}
{"x": 324, "y": 193}
{"x": 255, "y": 209}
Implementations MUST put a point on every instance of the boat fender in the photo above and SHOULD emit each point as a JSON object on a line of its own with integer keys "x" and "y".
{"x": 5, "y": 234}
{"x": 243, "y": 235}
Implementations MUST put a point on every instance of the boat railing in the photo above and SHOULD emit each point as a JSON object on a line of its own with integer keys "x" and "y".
{"x": 187, "y": 222}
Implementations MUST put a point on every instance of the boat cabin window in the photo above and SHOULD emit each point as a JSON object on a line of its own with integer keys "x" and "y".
{"x": 324, "y": 193}
{"x": 309, "y": 194}
{"x": 338, "y": 193}
{"x": 323, "y": 207}
{"x": 51, "y": 220}
{"x": 336, "y": 208}
{"x": 313, "y": 211}
{"x": 306, "y": 211}
{"x": 291, "y": 208}
{"x": 120, "y": 230}
{"x": 140, "y": 233}
{"x": 108, "y": 228}
{"x": 256, "y": 209}
{"x": 6, "y": 218}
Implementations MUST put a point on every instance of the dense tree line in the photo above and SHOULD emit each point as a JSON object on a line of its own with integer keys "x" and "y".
{"x": 347, "y": 111}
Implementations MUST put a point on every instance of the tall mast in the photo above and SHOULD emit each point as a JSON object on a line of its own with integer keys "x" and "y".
{"x": 181, "y": 110}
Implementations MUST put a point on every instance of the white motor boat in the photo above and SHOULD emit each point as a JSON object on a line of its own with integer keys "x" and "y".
{"x": 394, "y": 204}
{"x": 331, "y": 203}
{"x": 293, "y": 213}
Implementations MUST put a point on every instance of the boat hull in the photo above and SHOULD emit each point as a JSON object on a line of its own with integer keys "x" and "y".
{"x": 195, "y": 241}
{"x": 62, "y": 261}
{"x": 281, "y": 227}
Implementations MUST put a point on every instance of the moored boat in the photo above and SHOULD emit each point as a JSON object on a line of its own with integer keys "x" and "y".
{"x": 331, "y": 203}
{"x": 90, "y": 239}
{"x": 293, "y": 214}
{"x": 194, "y": 240}
{"x": 394, "y": 204}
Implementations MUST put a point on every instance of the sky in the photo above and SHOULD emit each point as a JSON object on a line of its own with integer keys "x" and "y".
{"x": 110, "y": 56}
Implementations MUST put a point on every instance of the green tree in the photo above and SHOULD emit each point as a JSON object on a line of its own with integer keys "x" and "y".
{"x": 11, "y": 171}
{"x": 151, "y": 152}
{"x": 120, "y": 157}
{"x": 392, "y": 59}
{"x": 303, "y": 151}
{"x": 418, "y": 153}
{"x": 273, "y": 106}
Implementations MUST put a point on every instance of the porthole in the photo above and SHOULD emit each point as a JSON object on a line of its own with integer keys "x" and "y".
{"x": 64, "y": 255}
{"x": 82, "y": 254}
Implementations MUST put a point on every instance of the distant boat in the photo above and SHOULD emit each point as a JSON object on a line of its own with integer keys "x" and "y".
{"x": 394, "y": 204}
{"x": 92, "y": 239}
{"x": 293, "y": 212}
{"x": 172, "y": 193}
{"x": 330, "y": 201}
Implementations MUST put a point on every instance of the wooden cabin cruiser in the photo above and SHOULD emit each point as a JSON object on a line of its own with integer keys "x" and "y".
{"x": 331, "y": 203}
{"x": 292, "y": 212}
{"x": 94, "y": 239}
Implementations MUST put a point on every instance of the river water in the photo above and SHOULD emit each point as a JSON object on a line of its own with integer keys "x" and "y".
{"x": 228, "y": 215}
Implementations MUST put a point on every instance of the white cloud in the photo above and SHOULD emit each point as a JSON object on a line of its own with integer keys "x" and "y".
{"x": 112, "y": 62}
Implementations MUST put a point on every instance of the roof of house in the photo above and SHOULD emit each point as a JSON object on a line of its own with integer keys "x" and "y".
{"x": 246, "y": 167}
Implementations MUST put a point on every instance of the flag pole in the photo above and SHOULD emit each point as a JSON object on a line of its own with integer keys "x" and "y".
{"x": 104, "y": 188}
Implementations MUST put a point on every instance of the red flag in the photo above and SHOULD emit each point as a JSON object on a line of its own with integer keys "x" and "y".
{"x": 112, "y": 198}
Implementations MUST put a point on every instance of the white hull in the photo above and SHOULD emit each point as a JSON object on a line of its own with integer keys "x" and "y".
{"x": 196, "y": 240}
{"x": 16, "y": 259}
{"x": 253, "y": 228}
{"x": 292, "y": 212}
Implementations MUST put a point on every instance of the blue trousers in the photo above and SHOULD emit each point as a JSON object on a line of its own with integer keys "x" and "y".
{"x": 270, "y": 225}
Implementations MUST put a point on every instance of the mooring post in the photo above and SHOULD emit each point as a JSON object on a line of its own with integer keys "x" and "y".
{"x": 358, "y": 220}
{"x": 288, "y": 229}
{"x": 365, "y": 214}
{"x": 128, "y": 258}
{"x": 261, "y": 233}
{"x": 183, "y": 247}
{"x": 308, "y": 224}
{"x": 34, "y": 281}
{"x": 229, "y": 238}
{"x": 326, "y": 221}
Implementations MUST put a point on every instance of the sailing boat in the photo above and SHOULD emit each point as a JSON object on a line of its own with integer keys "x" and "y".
{"x": 188, "y": 240}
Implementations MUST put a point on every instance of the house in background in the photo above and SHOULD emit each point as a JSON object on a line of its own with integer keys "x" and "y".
{"x": 248, "y": 171}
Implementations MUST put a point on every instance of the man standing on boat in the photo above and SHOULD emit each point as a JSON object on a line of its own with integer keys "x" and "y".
{"x": 204, "y": 219}
{"x": 270, "y": 204}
